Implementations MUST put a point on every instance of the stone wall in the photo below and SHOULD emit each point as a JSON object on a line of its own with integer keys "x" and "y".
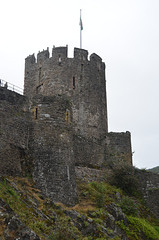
{"x": 118, "y": 148}
{"x": 149, "y": 187}
{"x": 89, "y": 152}
{"x": 52, "y": 148}
{"x": 14, "y": 132}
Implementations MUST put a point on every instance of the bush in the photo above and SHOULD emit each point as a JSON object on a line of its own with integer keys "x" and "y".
{"x": 123, "y": 177}
{"x": 141, "y": 226}
{"x": 129, "y": 206}
{"x": 98, "y": 191}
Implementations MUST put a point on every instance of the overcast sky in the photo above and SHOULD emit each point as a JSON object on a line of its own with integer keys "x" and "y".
{"x": 125, "y": 33}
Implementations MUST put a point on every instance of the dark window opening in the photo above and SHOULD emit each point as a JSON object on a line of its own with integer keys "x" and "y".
{"x": 74, "y": 83}
{"x": 81, "y": 67}
{"x": 36, "y": 113}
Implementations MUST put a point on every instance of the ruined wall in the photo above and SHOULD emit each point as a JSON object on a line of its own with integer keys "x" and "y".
{"x": 14, "y": 132}
{"x": 79, "y": 78}
{"x": 52, "y": 148}
{"x": 118, "y": 148}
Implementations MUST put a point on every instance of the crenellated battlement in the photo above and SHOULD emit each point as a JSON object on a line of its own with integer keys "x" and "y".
{"x": 61, "y": 53}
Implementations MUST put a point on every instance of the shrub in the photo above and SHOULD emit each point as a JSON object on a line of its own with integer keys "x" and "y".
{"x": 123, "y": 177}
{"x": 141, "y": 226}
{"x": 129, "y": 206}
{"x": 98, "y": 190}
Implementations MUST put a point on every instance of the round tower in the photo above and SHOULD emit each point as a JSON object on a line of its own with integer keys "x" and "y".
{"x": 79, "y": 79}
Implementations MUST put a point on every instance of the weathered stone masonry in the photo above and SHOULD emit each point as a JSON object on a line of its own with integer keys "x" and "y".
{"x": 60, "y": 122}
{"x": 14, "y": 132}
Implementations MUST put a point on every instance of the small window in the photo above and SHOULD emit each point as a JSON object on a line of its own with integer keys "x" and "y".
{"x": 36, "y": 113}
{"x": 81, "y": 67}
{"x": 74, "y": 83}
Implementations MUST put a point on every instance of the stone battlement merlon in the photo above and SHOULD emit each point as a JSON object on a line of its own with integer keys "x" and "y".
{"x": 95, "y": 57}
{"x": 30, "y": 59}
{"x": 80, "y": 54}
{"x": 42, "y": 56}
{"x": 61, "y": 53}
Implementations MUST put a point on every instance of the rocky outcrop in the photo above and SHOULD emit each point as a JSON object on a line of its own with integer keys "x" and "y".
{"x": 11, "y": 227}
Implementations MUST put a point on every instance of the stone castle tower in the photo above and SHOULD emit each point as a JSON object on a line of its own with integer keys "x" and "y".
{"x": 80, "y": 80}
{"x": 61, "y": 122}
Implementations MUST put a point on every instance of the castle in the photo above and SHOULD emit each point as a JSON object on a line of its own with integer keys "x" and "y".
{"x": 59, "y": 123}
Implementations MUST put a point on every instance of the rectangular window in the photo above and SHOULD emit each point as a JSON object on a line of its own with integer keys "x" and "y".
{"x": 36, "y": 113}
{"x": 74, "y": 83}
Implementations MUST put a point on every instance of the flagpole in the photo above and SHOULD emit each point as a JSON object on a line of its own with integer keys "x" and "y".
{"x": 80, "y": 28}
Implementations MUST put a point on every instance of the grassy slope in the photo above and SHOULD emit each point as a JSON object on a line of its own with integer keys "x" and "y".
{"x": 101, "y": 209}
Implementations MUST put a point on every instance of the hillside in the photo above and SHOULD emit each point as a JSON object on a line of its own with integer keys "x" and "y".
{"x": 154, "y": 170}
{"x": 103, "y": 212}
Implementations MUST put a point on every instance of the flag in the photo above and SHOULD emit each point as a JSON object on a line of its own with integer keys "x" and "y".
{"x": 81, "y": 24}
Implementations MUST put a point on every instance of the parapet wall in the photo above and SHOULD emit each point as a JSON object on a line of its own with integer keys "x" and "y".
{"x": 60, "y": 52}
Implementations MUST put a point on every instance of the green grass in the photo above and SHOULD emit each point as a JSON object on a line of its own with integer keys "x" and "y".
{"x": 141, "y": 226}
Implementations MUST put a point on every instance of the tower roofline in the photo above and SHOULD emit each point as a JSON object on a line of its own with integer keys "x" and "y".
{"x": 62, "y": 52}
